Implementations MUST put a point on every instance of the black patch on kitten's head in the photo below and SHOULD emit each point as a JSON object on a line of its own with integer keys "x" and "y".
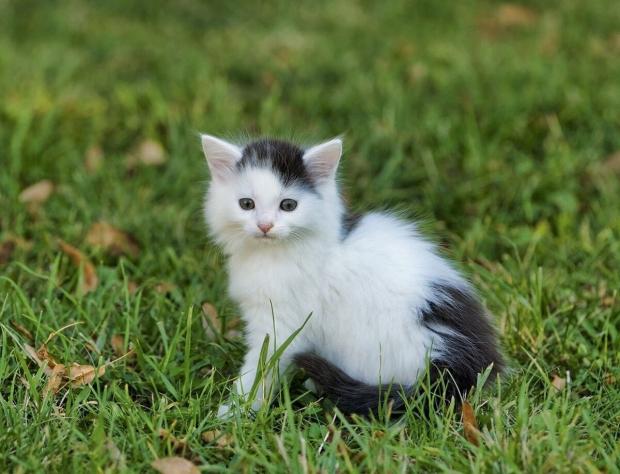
{"x": 284, "y": 158}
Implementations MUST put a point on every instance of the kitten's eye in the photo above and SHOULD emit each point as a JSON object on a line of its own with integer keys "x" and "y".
{"x": 246, "y": 204}
{"x": 288, "y": 205}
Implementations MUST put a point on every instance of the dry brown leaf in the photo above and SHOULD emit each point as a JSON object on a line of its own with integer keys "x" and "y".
{"x": 6, "y": 251}
{"x": 174, "y": 465}
{"x": 211, "y": 323}
{"x": 94, "y": 159}
{"x": 37, "y": 193}
{"x": 22, "y": 330}
{"x": 89, "y": 279}
{"x": 558, "y": 383}
{"x": 217, "y": 437}
{"x": 470, "y": 425}
{"x": 164, "y": 287}
{"x": 115, "y": 454}
{"x": 114, "y": 241}
{"x": 612, "y": 162}
{"x": 148, "y": 153}
{"x": 132, "y": 287}
{"x": 178, "y": 444}
{"x": 80, "y": 375}
{"x": 118, "y": 345}
{"x": 54, "y": 381}
{"x": 513, "y": 15}
{"x": 32, "y": 353}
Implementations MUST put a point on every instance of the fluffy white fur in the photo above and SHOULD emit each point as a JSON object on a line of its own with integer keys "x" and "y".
{"x": 363, "y": 291}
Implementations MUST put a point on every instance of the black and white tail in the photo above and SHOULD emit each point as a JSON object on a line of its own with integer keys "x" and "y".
{"x": 470, "y": 347}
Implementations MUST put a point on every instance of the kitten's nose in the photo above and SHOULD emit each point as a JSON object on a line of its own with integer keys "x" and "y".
{"x": 265, "y": 227}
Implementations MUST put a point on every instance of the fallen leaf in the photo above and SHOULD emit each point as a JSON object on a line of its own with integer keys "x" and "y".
{"x": 94, "y": 159}
{"x": 513, "y": 15}
{"x": 148, "y": 153}
{"x": 558, "y": 383}
{"x": 132, "y": 287}
{"x": 6, "y": 251}
{"x": 470, "y": 426}
{"x": 114, "y": 241}
{"x": 22, "y": 330}
{"x": 612, "y": 162}
{"x": 174, "y": 465}
{"x": 115, "y": 454}
{"x": 222, "y": 440}
{"x": 118, "y": 345}
{"x": 80, "y": 375}
{"x": 89, "y": 280}
{"x": 164, "y": 287}
{"x": 54, "y": 380}
{"x": 37, "y": 193}
{"x": 213, "y": 324}
{"x": 32, "y": 353}
{"x": 178, "y": 444}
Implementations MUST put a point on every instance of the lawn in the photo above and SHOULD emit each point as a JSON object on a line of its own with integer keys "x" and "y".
{"x": 497, "y": 125}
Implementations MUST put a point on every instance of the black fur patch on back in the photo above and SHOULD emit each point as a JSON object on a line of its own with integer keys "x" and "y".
{"x": 470, "y": 340}
{"x": 470, "y": 347}
{"x": 350, "y": 220}
{"x": 284, "y": 158}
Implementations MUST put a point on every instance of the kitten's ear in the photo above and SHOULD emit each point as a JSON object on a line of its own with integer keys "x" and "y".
{"x": 221, "y": 156}
{"x": 322, "y": 160}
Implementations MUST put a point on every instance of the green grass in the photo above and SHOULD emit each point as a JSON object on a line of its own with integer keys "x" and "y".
{"x": 496, "y": 135}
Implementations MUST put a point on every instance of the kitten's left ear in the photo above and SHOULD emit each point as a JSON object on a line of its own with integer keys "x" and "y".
{"x": 221, "y": 156}
{"x": 322, "y": 160}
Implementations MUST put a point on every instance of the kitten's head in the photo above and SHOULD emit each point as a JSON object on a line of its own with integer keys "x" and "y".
{"x": 270, "y": 191}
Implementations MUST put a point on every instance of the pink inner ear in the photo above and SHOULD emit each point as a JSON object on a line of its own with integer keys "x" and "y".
{"x": 322, "y": 160}
{"x": 221, "y": 155}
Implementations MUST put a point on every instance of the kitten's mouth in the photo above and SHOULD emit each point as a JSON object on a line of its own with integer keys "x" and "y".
{"x": 265, "y": 237}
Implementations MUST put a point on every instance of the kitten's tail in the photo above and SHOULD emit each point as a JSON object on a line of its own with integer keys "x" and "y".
{"x": 350, "y": 395}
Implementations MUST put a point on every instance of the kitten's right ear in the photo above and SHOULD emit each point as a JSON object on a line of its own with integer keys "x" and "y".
{"x": 221, "y": 156}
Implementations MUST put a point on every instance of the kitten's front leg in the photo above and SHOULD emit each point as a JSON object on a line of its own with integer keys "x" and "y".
{"x": 249, "y": 373}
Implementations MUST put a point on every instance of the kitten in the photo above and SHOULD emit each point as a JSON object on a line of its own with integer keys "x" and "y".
{"x": 382, "y": 302}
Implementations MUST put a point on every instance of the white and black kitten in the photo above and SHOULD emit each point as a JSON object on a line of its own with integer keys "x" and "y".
{"x": 384, "y": 305}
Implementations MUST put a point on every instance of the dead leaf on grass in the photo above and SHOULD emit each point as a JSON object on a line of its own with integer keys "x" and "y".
{"x": 174, "y": 465}
{"x": 514, "y": 15}
{"x": 113, "y": 240}
{"x": 80, "y": 375}
{"x": 470, "y": 425}
{"x": 118, "y": 345}
{"x": 22, "y": 330}
{"x": 217, "y": 437}
{"x": 94, "y": 159}
{"x": 559, "y": 383}
{"x": 178, "y": 444}
{"x": 213, "y": 324}
{"x": 54, "y": 381}
{"x": 6, "y": 251}
{"x": 506, "y": 17}
{"x": 148, "y": 153}
{"x": 37, "y": 193}
{"x": 164, "y": 287}
{"x": 612, "y": 162}
{"x": 89, "y": 280}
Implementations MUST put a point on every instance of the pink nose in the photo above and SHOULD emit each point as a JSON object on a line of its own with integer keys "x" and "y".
{"x": 265, "y": 227}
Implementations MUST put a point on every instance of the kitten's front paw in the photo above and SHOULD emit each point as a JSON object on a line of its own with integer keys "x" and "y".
{"x": 311, "y": 386}
{"x": 225, "y": 411}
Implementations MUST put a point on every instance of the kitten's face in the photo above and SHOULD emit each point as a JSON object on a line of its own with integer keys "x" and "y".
{"x": 269, "y": 191}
